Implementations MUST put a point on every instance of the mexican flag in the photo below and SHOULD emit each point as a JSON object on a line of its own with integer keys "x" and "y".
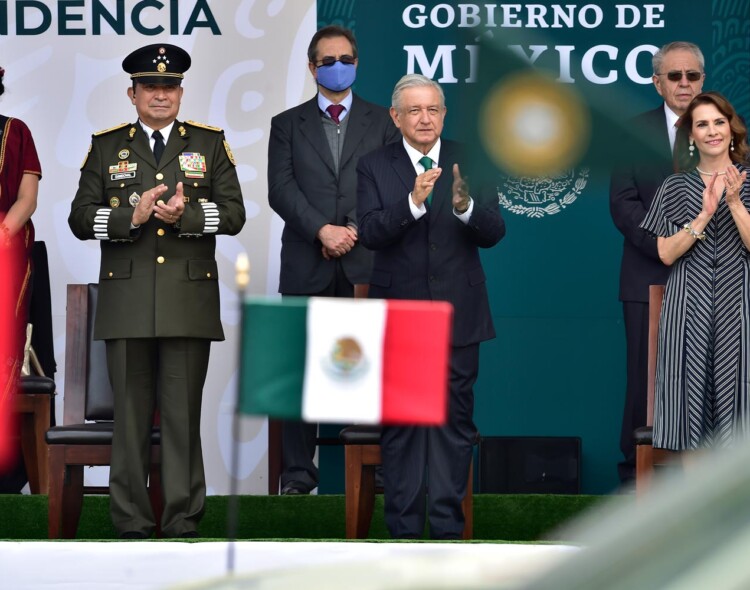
{"x": 368, "y": 361}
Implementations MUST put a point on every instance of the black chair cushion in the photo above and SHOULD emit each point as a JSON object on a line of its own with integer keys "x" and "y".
{"x": 94, "y": 433}
{"x": 360, "y": 434}
{"x": 369, "y": 434}
{"x": 37, "y": 384}
{"x": 644, "y": 435}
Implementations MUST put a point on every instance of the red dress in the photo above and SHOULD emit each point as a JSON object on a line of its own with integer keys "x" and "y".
{"x": 17, "y": 157}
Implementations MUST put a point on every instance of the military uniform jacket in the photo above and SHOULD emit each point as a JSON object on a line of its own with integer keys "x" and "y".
{"x": 158, "y": 280}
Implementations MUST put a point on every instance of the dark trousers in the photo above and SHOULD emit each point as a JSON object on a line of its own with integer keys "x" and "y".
{"x": 299, "y": 439}
{"x": 426, "y": 469}
{"x": 636, "y": 395}
{"x": 168, "y": 373}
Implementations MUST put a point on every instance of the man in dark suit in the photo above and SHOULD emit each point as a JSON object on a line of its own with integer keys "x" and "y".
{"x": 313, "y": 152}
{"x": 678, "y": 77}
{"x": 156, "y": 210}
{"x": 415, "y": 212}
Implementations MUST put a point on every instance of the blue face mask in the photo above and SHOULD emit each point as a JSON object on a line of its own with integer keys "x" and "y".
{"x": 337, "y": 77}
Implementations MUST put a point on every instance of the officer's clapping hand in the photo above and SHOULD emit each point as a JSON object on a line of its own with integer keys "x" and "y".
{"x": 145, "y": 206}
{"x": 171, "y": 211}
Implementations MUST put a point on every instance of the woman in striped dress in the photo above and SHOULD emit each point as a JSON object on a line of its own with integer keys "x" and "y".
{"x": 701, "y": 222}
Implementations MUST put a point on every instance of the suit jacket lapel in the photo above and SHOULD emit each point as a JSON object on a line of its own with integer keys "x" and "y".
{"x": 312, "y": 129}
{"x": 356, "y": 129}
{"x": 443, "y": 195}
{"x": 403, "y": 166}
{"x": 660, "y": 123}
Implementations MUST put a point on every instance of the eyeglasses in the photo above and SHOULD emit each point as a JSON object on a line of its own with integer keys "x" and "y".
{"x": 329, "y": 61}
{"x": 676, "y": 76}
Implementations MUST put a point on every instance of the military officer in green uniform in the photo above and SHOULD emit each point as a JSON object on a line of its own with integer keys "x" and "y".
{"x": 155, "y": 194}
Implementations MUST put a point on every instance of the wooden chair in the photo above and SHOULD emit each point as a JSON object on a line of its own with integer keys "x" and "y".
{"x": 85, "y": 438}
{"x": 646, "y": 456}
{"x": 361, "y": 456}
{"x": 33, "y": 403}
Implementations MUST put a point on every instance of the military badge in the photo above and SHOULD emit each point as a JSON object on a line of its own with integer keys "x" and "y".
{"x": 110, "y": 129}
{"x": 131, "y": 133}
{"x": 123, "y": 170}
{"x": 123, "y": 155}
{"x": 204, "y": 126}
{"x": 114, "y": 202}
{"x": 230, "y": 155}
{"x": 86, "y": 157}
{"x": 193, "y": 164}
{"x": 182, "y": 131}
{"x": 134, "y": 199}
{"x": 124, "y": 166}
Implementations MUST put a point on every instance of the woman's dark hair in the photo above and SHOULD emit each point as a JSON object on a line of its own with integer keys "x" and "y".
{"x": 2, "y": 75}
{"x": 737, "y": 127}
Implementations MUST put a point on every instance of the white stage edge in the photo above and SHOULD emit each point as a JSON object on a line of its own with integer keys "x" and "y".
{"x": 138, "y": 565}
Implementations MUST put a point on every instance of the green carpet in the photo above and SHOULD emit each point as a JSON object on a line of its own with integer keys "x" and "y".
{"x": 496, "y": 517}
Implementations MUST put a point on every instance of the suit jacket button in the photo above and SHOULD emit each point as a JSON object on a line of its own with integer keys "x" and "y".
{"x": 433, "y": 247}
{"x": 160, "y": 260}
{"x": 160, "y": 232}
{"x": 110, "y": 275}
{"x": 432, "y": 278}
{"x": 159, "y": 176}
{"x": 208, "y": 275}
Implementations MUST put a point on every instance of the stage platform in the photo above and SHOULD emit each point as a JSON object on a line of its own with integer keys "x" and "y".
{"x": 159, "y": 565}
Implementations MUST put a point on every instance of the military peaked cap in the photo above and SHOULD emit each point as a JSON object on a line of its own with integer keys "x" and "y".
{"x": 160, "y": 63}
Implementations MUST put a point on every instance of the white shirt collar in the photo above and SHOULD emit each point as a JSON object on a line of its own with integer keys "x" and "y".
{"x": 415, "y": 155}
{"x": 323, "y": 104}
{"x": 165, "y": 131}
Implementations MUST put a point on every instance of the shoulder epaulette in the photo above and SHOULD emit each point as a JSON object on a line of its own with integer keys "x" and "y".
{"x": 204, "y": 126}
{"x": 115, "y": 128}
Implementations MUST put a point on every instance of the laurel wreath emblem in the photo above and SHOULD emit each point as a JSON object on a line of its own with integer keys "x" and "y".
{"x": 537, "y": 197}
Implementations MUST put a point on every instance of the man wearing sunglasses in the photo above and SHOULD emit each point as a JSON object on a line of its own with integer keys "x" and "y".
{"x": 678, "y": 78}
{"x": 313, "y": 152}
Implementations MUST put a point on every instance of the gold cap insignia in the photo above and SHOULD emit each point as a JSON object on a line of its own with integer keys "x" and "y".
{"x": 114, "y": 202}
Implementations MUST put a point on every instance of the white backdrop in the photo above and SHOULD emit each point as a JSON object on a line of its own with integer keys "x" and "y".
{"x": 66, "y": 86}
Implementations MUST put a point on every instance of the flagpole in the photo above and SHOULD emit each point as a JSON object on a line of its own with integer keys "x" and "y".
{"x": 242, "y": 278}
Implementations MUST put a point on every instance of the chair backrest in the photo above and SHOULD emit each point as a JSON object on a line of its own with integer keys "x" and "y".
{"x": 655, "y": 299}
{"x": 88, "y": 393}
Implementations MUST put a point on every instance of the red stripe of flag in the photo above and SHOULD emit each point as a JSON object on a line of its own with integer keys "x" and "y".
{"x": 416, "y": 362}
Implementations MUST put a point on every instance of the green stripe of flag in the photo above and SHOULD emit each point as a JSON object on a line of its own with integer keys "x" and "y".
{"x": 273, "y": 356}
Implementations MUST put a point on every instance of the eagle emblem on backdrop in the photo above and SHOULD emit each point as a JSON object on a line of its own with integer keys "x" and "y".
{"x": 536, "y": 130}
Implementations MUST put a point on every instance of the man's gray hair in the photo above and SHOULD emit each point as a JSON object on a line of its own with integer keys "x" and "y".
{"x": 658, "y": 58}
{"x": 413, "y": 81}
